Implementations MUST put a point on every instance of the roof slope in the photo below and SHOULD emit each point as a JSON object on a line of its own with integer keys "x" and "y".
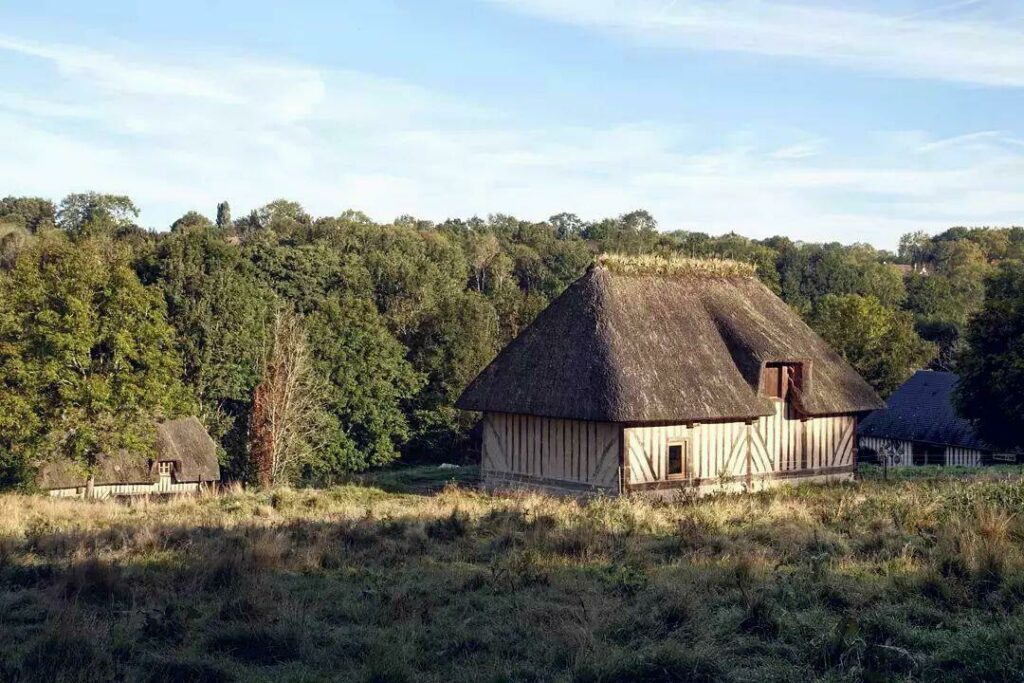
{"x": 183, "y": 441}
{"x": 121, "y": 468}
{"x": 922, "y": 410}
{"x": 628, "y": 345}
{"x": 186, "y": 442}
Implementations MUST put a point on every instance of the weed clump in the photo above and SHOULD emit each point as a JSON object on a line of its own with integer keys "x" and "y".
{"x": 259, "y": 645}
{"x": 449, "y": 528}
{"x": 96, "y": 581}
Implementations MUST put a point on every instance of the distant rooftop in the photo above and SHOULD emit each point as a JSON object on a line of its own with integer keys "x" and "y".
{"x": 922, "y": 410}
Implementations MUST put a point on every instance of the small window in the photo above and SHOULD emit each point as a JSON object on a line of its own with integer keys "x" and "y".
{"x": 678, "y": 460}
{"x": 165, "y": 467}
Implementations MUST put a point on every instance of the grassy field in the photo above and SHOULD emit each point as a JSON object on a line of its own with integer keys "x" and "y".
{"x": 914, "y": 578}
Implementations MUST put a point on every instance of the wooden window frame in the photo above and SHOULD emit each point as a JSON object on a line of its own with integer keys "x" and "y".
{"x": 686, "y": 459}
{"x": 165, "y": 467}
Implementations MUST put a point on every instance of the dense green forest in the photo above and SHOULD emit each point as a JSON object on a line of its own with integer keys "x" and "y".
{"x": 376, "y": 328}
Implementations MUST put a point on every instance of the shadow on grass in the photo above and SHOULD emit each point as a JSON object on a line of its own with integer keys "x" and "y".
{"x": 507, "y": 595}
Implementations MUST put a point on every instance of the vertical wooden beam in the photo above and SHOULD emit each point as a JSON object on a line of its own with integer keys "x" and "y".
{"x": 804, "y": 459}
{"x": 623, "y": 461}
{"x": 750, "y": 464}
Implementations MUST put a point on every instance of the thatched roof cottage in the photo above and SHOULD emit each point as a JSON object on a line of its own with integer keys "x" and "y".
{"x": 920, "y": 427}
{"x": 185, "y": 459}
{"x": 652, "y": 374}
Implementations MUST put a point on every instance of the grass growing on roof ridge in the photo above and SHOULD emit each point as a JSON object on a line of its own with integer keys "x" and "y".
{"x": 674, "y": 266}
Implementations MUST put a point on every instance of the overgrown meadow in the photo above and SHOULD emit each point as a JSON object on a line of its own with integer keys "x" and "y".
{"x": 906, "y": 579}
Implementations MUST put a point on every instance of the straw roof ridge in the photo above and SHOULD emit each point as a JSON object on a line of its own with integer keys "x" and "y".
{"x": 674, "y": 266}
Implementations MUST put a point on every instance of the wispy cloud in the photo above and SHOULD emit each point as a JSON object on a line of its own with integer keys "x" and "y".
{"x": 930, "y": 44}
{"x": 187, "y": 133}
{"x": 982, "y": 137}
{"x": 800, "y": 150}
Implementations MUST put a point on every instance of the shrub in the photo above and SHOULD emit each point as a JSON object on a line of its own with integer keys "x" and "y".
{"x": 96, "y": 581}
{"x": 449, "y": 528}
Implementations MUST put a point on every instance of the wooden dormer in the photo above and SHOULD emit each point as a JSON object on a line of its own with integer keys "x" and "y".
{"x": 781, "y": 379}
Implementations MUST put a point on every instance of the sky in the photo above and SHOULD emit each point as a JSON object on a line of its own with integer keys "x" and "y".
{"x": 823, "y": 121}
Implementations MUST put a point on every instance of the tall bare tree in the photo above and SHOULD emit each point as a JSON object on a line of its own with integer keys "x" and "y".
{"x": 287, "y": 404}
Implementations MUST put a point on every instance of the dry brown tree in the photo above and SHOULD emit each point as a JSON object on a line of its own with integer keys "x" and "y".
{"x": 287, "y": 404}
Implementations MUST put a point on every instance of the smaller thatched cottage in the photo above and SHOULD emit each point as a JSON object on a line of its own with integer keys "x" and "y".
{"x": 920, "y": 427}
{"x": 185, "y": 460}
{"x": 655, "y": 375}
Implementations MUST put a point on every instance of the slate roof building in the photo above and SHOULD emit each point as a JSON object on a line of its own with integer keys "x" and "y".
{"x": 185, "y": 459}
{"x": 920, "y": 427}
{"x": 651, "y": 374}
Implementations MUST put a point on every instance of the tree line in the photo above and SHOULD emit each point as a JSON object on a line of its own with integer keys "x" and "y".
{"x": 313, "y": 347}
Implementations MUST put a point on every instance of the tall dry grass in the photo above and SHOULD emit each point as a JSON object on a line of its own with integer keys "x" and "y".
{"x": 918, "y": 579}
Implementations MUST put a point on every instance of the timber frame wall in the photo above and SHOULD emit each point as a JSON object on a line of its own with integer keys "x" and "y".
{"x": 743, "y": 455}
{"x": 543, "y": 452}
{"x": 576, "y": 456}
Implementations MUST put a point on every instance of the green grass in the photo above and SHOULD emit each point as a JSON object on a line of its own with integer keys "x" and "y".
{"x": 941, "y": 472}
{"x": 420, "y": 479}
{"x": 919, "y": 577}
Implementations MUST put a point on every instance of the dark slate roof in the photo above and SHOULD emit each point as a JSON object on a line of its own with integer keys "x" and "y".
{"x": 922, "y": 410}
{"x": 650, "y": 346}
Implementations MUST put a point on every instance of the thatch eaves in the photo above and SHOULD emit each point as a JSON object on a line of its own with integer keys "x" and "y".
{"x": 683, "y": 341}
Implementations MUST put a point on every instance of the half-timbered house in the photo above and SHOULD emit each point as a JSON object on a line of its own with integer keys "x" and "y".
{"x": 184, "y": 460}
{"x": 649, "y": 374}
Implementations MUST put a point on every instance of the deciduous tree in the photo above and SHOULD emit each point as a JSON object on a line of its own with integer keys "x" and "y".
{"x": 287, "y": 407}
{"x": 879, "y": 342}
{"x": 991, "y": 388}
{"x": 92, "y": 214}
{"x": 87, "y": 359}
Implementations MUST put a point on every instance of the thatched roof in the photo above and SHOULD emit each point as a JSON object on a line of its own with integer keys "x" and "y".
{"x": 684, "y": 342}
{"x": 121, "y": 468}
{"x": 184, "y": 442}
{"x": 922, "y": 410}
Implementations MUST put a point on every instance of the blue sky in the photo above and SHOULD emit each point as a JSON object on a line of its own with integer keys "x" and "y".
{"x": 849, "y": 121}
